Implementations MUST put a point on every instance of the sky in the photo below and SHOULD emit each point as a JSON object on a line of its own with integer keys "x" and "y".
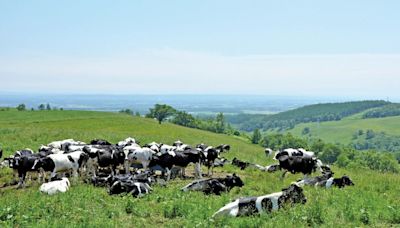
{"x": 307, "y": 48}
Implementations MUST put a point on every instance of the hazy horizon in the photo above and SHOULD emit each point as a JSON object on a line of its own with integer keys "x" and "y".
{"x": 310, "y": 48}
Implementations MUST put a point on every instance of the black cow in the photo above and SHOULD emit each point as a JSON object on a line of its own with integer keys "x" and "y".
{"x": 297, "y": 164}
{"x": 23, "y": 164}
{"x": 215, "y": 185}
{"x": 255, "y": 205}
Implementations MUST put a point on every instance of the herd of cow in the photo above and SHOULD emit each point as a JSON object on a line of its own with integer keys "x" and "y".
{"x": 127, "y": 167}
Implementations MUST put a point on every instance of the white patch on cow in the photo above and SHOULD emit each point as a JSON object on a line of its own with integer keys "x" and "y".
{"x": 329, "y": 182}
{"x": 274, "y": 199}
{"x": 54, "y": 187}
{"x": 231, "y": 209}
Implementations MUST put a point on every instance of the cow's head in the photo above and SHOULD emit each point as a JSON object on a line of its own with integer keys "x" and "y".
{"x": 293, "y": 194}
{"x": 345, "y": 181}
{"x": 233, "y": 181}
{"x": 42, "y": 163}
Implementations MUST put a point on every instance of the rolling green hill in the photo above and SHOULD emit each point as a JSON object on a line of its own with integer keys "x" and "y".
{"x": 372, "y": 201}
{"x": 310, "y": 113}
{"x": 342, "y": 131}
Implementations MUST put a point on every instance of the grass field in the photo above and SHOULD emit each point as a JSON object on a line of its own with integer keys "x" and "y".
{"x": 374, "y": 200}
{"x": 343, "y": 130}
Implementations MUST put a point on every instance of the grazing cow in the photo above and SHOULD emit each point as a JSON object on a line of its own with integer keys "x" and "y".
{"x": 55, "y": 187}
{"x": 268, "y": 152}
{"x": 241, "y": 164}
{"x": 101, "y": 142}
{"x": 55, "y": 163}
{"x": 136, "y": 189}
{"x": 214, "y": 185}
{"x": 263, "y": 204}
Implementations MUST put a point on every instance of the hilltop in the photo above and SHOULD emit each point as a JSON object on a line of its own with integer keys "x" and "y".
{"x": 373, "y": 201}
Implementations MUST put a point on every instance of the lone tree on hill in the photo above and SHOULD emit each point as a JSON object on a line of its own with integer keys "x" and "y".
{"x": 21, "y": 107}
{"x": 161, "y": 112}
{"x": 41, "y": 107}
{"x": 256, "y": 137}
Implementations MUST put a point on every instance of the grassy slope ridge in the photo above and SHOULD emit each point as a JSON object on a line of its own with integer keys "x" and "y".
{"x": 374, "y": 199}
{"x": 342, "y": 131}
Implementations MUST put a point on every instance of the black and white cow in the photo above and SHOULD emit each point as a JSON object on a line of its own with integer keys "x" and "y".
{"x": 215, "y": 185}
{"x": 223, "y": 148}
{"x": 297, "y": 164}
{"x": 136, "y": 189}
{"x": 210, "y": 154}
{"x": 241, "y": 164}
{"x": 300, "y": 152}
{"x": 268, "y": 152}
{"x": 56, "y": 163}
{"x": 182, "y": 160}
{"x": 126, "y": 142}
{"x": 327, "y": 181}
{"x": 101, "y": 142}
{"x": 263, "y": 204}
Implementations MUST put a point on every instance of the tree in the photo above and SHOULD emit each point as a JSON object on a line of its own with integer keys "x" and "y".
{"x": 41, "y": 107}
{"x": 256, "y": 137}
{"x": 21, "y": 107}
{"x": 161, "y": 112}
{"x": 220, "y": 123}
{"x": 305, "y": 131}
{"x": 184, "y": 119}
{"x": 48, "y": 107}
{"x": 126, "y": 111}
{"x": 137, "y": 114}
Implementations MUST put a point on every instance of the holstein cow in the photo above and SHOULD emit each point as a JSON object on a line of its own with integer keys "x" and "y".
{"x": 268, "y": 152}
{"x": 327, "y": 181}
{"x": 263, "y": 204}
{"x": 209, "y": 156}
{"x": 101, "y": 142}
{"x": 214, "y": 185}
{"x": 167, "y": 161}
{"x": 142, "y": 155}
{"x": 137, "y": 189}
{"x": 54, "y": 187}
{"x": 126, "y": 142}
{"x": 56, "y": 163}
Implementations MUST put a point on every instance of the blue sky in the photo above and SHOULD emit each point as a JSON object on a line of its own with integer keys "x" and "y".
{"x": 318, "y": 48}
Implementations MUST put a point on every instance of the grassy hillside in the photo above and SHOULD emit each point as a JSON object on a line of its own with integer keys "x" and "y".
{"x": 343, "y": 130}
{"x": 310, "y": 113}
{"x": 373, "y": 201}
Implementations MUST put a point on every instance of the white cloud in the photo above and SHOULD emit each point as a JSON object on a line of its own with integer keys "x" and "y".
{"x": 174, "y": 71}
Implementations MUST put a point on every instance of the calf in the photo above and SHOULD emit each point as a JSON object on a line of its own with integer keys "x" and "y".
{"x": 214, "y": 185}
{"x": 263, "y": 204}
{"x": 54, "y": 187}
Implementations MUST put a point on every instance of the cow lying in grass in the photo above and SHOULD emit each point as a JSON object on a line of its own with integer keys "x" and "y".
{"x": 136, "y": 189}
{"x": 327, "y": 181}
{"x": 55, "y": 187}
{"x": 263, "y": 204}
{"x": 214, "y": 185}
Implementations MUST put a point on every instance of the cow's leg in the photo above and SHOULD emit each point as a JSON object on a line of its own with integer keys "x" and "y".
{"x": 283, "y": 174}
{"x": 22, "y": 176}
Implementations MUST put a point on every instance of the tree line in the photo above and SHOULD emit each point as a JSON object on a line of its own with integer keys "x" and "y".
{"x": 41, "y": 107}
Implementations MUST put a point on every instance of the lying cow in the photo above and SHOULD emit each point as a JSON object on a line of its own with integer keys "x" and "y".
{"x": 263, "y": 204}
{"x": 241, "y": 164}
{"x": 137, "y": 189}
{"x": 54, "y": 187}
{"x": 214, "y": 185}
{"x": 327, "y": 181}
